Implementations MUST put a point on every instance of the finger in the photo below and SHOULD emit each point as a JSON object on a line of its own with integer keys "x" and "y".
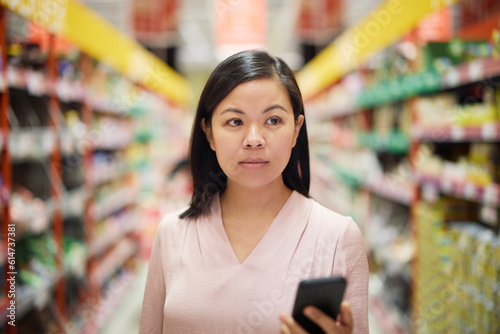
{"x": 324, "y": 321}
{"x": 284, "y": 329}
{"x": 292, "y": 327}
{"x": 345, "y": 315}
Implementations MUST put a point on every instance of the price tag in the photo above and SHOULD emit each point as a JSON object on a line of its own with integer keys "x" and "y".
{"x": 476, "y": 71}
{"x": 12, "y": 76}
{"x": 491, "y": 194}
{"x": 457, "y": 133}
{"x": 430, "y": 192}
{"x": 452, "y": 78}
{"x": 35, "y": 83}
{"x": 446, "y": 186}
{"x": 489, "y": 131}
{"x": 470, "y": 191}
{"x": 489, "y": 214}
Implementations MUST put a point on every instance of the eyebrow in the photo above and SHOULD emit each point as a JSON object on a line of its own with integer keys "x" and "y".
{"x": 238, "y": 111}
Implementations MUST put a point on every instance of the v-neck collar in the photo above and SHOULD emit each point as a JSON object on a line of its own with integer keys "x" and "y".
{"x": 292, "y": 210}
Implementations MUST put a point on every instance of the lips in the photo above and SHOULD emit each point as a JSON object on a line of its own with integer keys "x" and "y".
{"x": 253, "y": 163}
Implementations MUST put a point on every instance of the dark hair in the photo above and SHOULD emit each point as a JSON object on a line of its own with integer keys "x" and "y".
{"x": 208, "y": 177}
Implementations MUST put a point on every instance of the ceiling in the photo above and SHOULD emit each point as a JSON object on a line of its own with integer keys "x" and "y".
{"x": 195, "y": 38}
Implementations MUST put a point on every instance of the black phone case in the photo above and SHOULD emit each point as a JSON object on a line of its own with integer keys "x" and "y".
{"x": 324, "y": 293}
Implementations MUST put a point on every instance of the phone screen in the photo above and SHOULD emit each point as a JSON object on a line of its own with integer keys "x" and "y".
{"x": 324, "y": 293}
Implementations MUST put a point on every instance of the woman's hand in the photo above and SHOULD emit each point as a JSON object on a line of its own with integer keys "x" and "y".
{"x": 343, "y": 324}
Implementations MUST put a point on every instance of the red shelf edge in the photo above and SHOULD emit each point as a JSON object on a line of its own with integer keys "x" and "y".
{"x": 482, "y": 194}
{"x": 487, "y": 132}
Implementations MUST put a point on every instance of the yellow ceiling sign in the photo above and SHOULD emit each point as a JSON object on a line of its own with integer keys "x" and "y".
{"x": 99, "y": 39}
{"x": 387, "y": 23}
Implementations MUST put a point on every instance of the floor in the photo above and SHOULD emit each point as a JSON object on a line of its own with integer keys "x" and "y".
{"x": 125, "y": 319}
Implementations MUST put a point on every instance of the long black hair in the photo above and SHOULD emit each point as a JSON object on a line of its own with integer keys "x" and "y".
{"x": 208, "y": 177}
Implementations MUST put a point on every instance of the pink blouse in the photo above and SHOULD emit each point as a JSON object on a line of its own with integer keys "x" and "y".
{"x": 196, "y": 284}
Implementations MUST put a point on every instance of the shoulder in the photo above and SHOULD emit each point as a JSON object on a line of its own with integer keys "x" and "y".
{"x": 337, "y": 227}
{"x": 330, "y": 219}
{"x": 171, "y": 225}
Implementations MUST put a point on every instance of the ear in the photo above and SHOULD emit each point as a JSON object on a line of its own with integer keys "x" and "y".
{"x": 296, "y": 131}
{"x": 208, "y": 133}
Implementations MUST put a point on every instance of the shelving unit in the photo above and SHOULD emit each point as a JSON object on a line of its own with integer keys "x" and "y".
{"x": 74, "y": 140}
{"x": 410, "y": 145}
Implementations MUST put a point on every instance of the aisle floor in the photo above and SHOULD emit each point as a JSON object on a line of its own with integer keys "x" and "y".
{"x": 125, "y": 319}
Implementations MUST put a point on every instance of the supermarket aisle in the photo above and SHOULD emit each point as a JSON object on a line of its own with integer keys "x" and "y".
{"x": 125, "y": 318}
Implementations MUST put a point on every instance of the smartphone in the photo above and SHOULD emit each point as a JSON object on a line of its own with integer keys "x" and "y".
{"x": 325, "y": 293}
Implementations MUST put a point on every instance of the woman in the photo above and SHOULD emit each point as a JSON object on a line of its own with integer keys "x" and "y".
{"x": 231, "y": 262}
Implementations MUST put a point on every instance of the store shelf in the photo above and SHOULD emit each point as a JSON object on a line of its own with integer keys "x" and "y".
{"x": 34, "y": 82}
{"x": 69, "y": 142}
{"x": 115, "y": 259}
{"x": 115, "y": 230}
{"x": 415, "y": 84}
{"x": 391, "y": 320}
{"x": 109, "y": 173}
{"x": 387, "y": 319}
{"x": 390, "y": 187}
{"x": 473, "y": 71}
{"x": 68, "y": 90}
{"x": 61, "y": 116}
{"x": 31, "y": 143}
{"x": 398, "y": 89}
{"x": 39, "y": 223}
{"x": 114, "y": 202}
{"x": 70, "y": 19}
{"x": 73, "y": 203}
{"x": 486, "y": 132}
{"x": 489, "y": 194}
{"x": 393, "y": 188}
{"x": 28, "y": 297}
{"x": 352, "y": 47}
{"x": 394, "y": 142}
{"x": 105, "y": 306}
{"x": 115, "y": 140}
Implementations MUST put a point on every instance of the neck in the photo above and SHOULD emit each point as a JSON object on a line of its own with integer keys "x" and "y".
{"x": 248, "y": 202}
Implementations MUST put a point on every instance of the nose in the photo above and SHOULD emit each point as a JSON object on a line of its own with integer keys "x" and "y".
{"x": 253, "y": 138}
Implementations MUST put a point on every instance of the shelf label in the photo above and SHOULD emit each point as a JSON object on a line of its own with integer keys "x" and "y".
{"x": 489, "y": 214}
{"x": 470, "y": 191}
{"x": 457, "y": 133}
{"x": 476, "y": 71}
{"x": 36, "y": 83}
{"x": 491, "y": 194}
{"x": 446, "y": 186}
{"x": 452, "y": 78}
{"x": 489, "y": 131}
{"x": 430, "y": 192}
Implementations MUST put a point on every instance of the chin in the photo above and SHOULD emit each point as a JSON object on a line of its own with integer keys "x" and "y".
{"x": 256, "y": 182}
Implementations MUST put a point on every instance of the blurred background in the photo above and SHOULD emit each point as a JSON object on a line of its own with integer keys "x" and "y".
{"x": 96, "y": 104}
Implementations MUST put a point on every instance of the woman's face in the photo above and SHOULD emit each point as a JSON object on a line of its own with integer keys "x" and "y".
{"x": 253, "y": 132}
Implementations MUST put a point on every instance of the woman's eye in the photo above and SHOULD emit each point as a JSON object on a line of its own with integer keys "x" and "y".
{"x": 273, "y": 120}
{"x": 235, "y": 122}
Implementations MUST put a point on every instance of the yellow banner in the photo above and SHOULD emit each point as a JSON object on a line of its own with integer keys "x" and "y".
{"x": 387, "y": 23}
{"x": 99, "y": 39}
